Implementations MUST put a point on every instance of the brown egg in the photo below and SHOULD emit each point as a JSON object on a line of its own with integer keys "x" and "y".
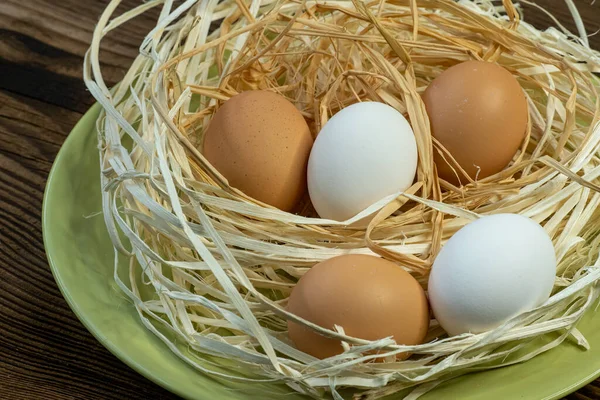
{"x": 371, "y": 298}
{"x": 478, "y": 111}
{"x": 260, "y": 142}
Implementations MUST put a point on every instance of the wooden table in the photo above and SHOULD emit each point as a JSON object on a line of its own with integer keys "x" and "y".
{"x": 45, "y": 352}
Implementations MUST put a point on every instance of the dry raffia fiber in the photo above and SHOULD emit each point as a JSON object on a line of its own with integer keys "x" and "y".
{"x": 210, "y": 269}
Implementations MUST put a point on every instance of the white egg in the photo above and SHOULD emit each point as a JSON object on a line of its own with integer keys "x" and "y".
{"x": 490, "y": 271}
{"x": 365, "y": 152}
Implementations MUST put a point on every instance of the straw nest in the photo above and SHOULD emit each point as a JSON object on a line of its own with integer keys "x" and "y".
{"x": 210, "y": 269}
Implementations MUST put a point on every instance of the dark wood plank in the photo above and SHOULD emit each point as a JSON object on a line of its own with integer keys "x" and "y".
{"x": 46, "y": 353}
{"x": 589, "y": 10}
{"x": 42, "y": 45}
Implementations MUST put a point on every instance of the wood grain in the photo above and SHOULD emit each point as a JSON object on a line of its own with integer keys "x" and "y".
{"x": 45, "y": 352}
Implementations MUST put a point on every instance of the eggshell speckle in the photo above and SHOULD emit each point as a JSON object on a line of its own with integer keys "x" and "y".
{"x": 478, "y": 112}
{"x": 371, "y": 298}
{"x": 260, "y": 142}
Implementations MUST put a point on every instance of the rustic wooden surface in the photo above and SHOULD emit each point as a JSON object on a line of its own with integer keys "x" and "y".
{"x": 45, "y": 352}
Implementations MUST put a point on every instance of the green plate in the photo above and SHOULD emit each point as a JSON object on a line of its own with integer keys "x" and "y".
{"x": 81, "y": 258}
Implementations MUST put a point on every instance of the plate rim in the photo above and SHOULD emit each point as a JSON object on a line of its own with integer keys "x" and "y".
{"x": 92, "y": 114}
